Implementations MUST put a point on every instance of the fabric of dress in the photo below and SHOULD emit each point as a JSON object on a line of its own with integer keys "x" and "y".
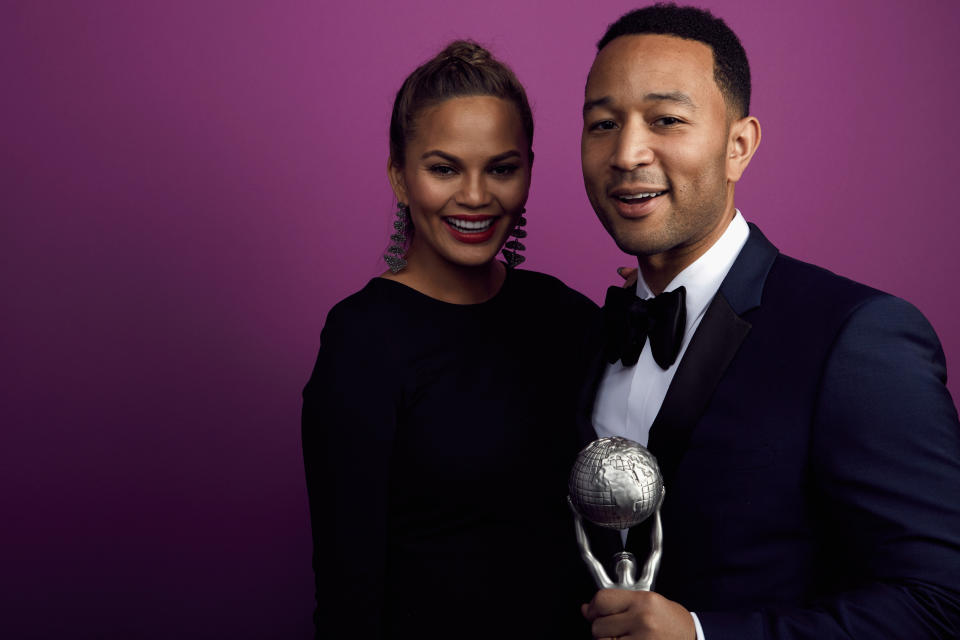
{"x": 438, "y": 439}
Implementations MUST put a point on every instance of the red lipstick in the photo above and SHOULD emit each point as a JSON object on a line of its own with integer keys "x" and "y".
{"x": 471, "y": 229}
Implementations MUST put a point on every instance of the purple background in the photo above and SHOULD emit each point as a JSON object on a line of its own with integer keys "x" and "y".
{"x": 186, "y": 188}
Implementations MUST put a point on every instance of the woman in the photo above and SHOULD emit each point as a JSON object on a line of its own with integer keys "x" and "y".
{"x": 438, "y": 424}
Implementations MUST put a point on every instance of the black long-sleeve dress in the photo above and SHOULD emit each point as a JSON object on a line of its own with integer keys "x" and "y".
{"x": 437, "y": 440}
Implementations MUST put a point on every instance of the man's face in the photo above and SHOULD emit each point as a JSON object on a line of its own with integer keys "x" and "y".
{"x": 654, "y": 146}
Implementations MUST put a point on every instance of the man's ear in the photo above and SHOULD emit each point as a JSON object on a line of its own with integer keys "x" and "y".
{"x": 395, "y": 174}
{"x": 741, "y": 145}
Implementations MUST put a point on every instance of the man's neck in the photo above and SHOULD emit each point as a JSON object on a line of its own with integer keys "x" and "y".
{"x": 661, "y": 268}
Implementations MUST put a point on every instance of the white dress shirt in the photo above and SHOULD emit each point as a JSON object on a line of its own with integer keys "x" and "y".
{"x": 629, "y": 398}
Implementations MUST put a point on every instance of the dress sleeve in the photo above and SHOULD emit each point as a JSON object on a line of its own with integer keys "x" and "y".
{"x": 885, "y": 490}
{"x": 348, "y": 424}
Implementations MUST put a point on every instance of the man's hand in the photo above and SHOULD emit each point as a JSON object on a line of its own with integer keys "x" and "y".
{"x": 638, "y": 615}
{"x": 629, "y": 275}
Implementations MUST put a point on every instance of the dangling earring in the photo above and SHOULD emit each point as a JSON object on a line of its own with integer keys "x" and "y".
{"x": 513, "y": 257}
{"x": 394, "y": 255}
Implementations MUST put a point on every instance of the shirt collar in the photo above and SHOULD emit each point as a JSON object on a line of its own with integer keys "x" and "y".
{"x": 702, "y": 278}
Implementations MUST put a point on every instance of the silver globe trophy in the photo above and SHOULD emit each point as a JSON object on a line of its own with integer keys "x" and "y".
{"x": 616, "y": 483}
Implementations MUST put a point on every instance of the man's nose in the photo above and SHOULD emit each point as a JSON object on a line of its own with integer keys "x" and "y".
{"x": 633, "y": 148}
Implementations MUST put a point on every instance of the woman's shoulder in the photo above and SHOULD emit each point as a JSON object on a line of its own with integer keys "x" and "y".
{"x": 380, "y": 311}
{"x": 364, "y": 311}
{"x": 549, "y": 289}
{"x": 366, "y": 300}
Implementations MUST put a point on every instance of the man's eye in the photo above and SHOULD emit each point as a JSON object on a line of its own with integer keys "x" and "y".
{"x": 667, "y": 121}
{"x": 603, "y": 125}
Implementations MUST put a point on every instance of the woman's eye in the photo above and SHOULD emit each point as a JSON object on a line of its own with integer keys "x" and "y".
{"x": 504, "y": 169}
{"x": 603, "y": 125}
{"x": 442, "y": 170}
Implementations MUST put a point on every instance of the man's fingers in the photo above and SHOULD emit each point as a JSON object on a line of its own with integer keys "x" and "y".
{"x": 612, "y": 626}
{"x": 607, "y": 602}
{"x": 629, "y": 275}
{"x": 619, "y": 613}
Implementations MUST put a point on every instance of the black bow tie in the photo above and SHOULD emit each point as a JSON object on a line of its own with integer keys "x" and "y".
{"x": 630, "y": 320}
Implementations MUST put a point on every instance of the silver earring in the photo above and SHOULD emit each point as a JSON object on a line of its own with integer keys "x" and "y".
{"x": 511, "y": 250}
{"x": 394, "y": 255}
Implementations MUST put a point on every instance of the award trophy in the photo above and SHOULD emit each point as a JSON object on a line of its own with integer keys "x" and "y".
{"x": 616, "y": 483}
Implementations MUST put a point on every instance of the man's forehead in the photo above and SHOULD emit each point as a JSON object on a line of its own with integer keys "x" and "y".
{"x": 652, "y": 53}
{"x": 652, "y": 63}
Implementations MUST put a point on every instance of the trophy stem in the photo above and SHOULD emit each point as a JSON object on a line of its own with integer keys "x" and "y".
{"x": 595, "y": 567}
{"x": 652, "y": 566}
{"x": 626, "y": 570}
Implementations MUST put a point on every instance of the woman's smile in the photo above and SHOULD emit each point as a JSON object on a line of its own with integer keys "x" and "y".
{"x": 472, "y": 229}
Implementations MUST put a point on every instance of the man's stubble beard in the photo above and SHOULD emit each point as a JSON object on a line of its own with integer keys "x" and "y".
{"x": 679, "y": 228}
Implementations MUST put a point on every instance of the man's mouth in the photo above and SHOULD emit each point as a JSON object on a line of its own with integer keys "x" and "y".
{"x": 637, "y": 198}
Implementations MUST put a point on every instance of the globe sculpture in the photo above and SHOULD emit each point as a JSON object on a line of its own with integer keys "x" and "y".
{"x": 615, "y": 483}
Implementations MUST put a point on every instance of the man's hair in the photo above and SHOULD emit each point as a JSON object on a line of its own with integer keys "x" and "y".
{"x": 731, "y": 71}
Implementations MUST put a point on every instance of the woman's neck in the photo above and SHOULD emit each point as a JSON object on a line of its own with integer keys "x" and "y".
{"x": 449, "y": 282}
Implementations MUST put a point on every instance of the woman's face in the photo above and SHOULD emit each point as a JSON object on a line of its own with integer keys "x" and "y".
{"x": 465, "y": 177}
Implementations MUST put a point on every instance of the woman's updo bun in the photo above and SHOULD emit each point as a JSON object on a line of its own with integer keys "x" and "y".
{"x": 467, "y": 51}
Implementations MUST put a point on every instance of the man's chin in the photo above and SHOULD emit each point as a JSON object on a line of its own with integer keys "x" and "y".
{"x": 641, "y": 247}
{"x": 642, "y": 237}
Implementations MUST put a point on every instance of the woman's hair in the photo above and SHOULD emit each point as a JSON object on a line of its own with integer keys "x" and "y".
{"x": 463, "y": 68}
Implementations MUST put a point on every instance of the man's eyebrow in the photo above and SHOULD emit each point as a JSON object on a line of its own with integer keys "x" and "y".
{"x": 599, "y": 102}
{"x": 672, "y": 96}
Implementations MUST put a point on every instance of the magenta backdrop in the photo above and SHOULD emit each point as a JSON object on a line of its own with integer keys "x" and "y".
{"x": 186, "y": 188}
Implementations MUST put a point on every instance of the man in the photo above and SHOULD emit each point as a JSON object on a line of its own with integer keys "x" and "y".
{"x": 809, "y": 447}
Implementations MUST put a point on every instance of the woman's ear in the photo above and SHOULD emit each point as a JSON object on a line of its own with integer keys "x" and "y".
{"x": 395, "y": 174}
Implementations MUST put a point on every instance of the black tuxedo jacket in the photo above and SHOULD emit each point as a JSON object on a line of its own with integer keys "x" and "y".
{"x": 811, "y": 458}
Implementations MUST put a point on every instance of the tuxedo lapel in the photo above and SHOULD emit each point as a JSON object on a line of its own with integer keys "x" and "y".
{"x": 712, "y": 348}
